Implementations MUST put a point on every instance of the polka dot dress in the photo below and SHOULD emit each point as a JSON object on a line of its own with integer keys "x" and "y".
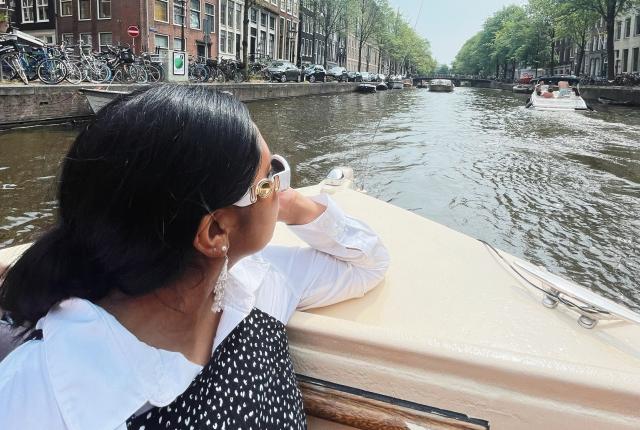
{"x": 248, "y": 384}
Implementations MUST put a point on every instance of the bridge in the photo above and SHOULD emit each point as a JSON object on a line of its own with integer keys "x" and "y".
{"x": 473, "y": 81}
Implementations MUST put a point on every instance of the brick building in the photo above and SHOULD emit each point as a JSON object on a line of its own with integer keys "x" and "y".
{"x": 161, "y": 22}
{"x": 35, "y": 17}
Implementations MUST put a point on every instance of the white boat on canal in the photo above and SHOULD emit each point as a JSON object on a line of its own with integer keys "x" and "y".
{"x": 558, "y": 94}
{"x": 99, "y": 98}
{"x": 460, "y": 335}
{"x": 441, "y": 86}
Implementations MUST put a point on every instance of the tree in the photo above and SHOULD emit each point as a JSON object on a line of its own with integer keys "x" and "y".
{"x": 367, "y": 20}
{"x": 546, "y": 15}
{"x": 608, "y": 10}
{"x": 331, "y": 14}
{"x": 443, "y": 69}
{"x": 576, "y": 24}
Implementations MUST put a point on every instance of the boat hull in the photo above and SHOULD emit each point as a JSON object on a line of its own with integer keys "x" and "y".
{"x": 100, "y": 98}
{"x": 570, "y": 103}
{"x": 440, "y": 88}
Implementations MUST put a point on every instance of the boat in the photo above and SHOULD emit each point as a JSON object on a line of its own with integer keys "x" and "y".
{"x": 423, "y": 84}
{"x": 523, "y": 88}
{"x": 381, "y": 86}
{"x": 367, "y": 88}
{"x": 459, "y": 335}
{"x": 441, "y": 86}
{"x": 406, "y": 83}
{"x": 395, "y": 83}
{"x": 608, "y": 101}
{"x": 562, "y": 97}
{"x": 98, "y": 98}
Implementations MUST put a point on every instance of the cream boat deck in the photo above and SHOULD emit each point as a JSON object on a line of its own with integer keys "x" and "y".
{"x": 451, "y": 327}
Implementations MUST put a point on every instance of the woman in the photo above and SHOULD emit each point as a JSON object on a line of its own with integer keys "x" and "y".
{"x": 155, "y": 300}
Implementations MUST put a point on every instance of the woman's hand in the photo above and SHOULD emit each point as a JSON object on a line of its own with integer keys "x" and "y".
{"x": 296, "y": 209}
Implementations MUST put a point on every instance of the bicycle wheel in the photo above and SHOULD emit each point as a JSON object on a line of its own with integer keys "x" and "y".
{"x": 52, "y": 71}
{"x": 238, "y": 76}
{"x": 154, "y": 74}
{"x": 97, "y": 73}
{"x": 15, "y": 63}
{"x": 30, "y": 65}
{"x": 141, "y": 74}
{"x": 8, "y": 72}
{"x": 74, "y": 74}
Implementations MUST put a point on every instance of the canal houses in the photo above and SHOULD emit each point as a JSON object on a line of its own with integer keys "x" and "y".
{"x": 263, "y": 19}
{"x": 34, "y": 17}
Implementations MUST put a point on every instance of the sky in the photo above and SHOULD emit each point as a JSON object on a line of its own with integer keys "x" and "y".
{"x": 449, "y": 23}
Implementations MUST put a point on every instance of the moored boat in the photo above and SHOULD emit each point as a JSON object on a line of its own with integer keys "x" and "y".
{"x": 608, "y": 101}
{"x": 367, "y": 88}
{"x": 395, "y": 83}
{"x": 441, "y": 85}
{"x": 406, "y": 83}
{"x": 98, "y": 98}
{"x": 523, "y": 88}
{"x": 460, "y": 335}
{"x": 381, "y": 86}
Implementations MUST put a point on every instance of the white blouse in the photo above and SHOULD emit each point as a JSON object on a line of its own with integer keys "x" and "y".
{"x": 89, "y": 372}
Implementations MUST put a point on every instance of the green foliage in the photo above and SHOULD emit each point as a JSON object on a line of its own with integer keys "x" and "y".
{"x": 526, "y": 35}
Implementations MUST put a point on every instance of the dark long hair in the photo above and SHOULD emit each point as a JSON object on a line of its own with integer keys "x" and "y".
{"x": 133, "y": 189}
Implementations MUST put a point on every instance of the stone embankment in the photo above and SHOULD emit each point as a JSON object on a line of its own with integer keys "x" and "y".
{"x": 41, "y": 104}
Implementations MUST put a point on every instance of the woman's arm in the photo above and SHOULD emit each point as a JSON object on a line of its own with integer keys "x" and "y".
{"x": 345, "y": 258}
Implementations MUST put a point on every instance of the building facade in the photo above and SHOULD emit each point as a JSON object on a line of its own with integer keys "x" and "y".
{"x": 595, "y": 56}
{"x": 627, "y": 43}
{"x": 370, "y": 55}
{"x": 263, "y": 19}
{"x": 35, "y": 17}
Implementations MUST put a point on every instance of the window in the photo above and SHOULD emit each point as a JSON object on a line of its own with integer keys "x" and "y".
{"x": 68, "y": 38}
{"x": 161, "y": 11}
{"x": 42, "y": 10}
{"x": 625, "y": 60}
{"x": 178, "y": 16}
{"x": 104, "y": 9}
{"x": 194, "y": 14}
{"x": 177, "y": 44}
{"x": 239, "y": 20}
{"x": 230, "y": 15}
{"x": 637, "y": 32}
{"x": 65, "y": 8}
{"x": 86, "y": 39}
{"x": 254, "y": 16}
{"x": 84, "y": 9}
{"x": 27, "y": 10}
{"x": 635, "y": 59}
{"x": 263, "y": 19}
{"x": 223, "y": 12}
{"x": 162, "y": 41}
{"x": 223, "y": 41}
{"x": 627, "y": 27}
{"x": 289, "y": 8}
{"x": 105, "y": 39}
{"x": 272, "y": 43}
{"x": 272, "y": 23}
{"x": 618, "y": 30}
{"x": 210, "y": 15}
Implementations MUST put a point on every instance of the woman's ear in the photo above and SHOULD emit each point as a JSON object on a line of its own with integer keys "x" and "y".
{"x": 212, "y": 238}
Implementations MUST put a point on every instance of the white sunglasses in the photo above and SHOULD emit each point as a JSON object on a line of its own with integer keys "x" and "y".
{"x": 279, "y": 180}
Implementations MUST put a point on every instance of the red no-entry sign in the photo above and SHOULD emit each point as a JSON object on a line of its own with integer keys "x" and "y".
{"x": 133, "y": 31}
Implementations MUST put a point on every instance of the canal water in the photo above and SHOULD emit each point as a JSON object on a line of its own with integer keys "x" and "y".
{"x": 559, "y": 189}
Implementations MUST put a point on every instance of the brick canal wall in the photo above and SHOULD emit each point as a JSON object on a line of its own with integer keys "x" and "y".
{"x": 35, "y": 104}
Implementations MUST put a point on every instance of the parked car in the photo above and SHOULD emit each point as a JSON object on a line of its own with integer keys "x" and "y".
{"x": 366, "y": 76}
{"x": 354, "y": 77}
{"x": 283, "y": 71}
{"x": 338, "y": 73}
{"x": 315, "y": 73}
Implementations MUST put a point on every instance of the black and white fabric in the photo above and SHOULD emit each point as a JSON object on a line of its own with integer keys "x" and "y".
{"x": 248, "y": 384}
